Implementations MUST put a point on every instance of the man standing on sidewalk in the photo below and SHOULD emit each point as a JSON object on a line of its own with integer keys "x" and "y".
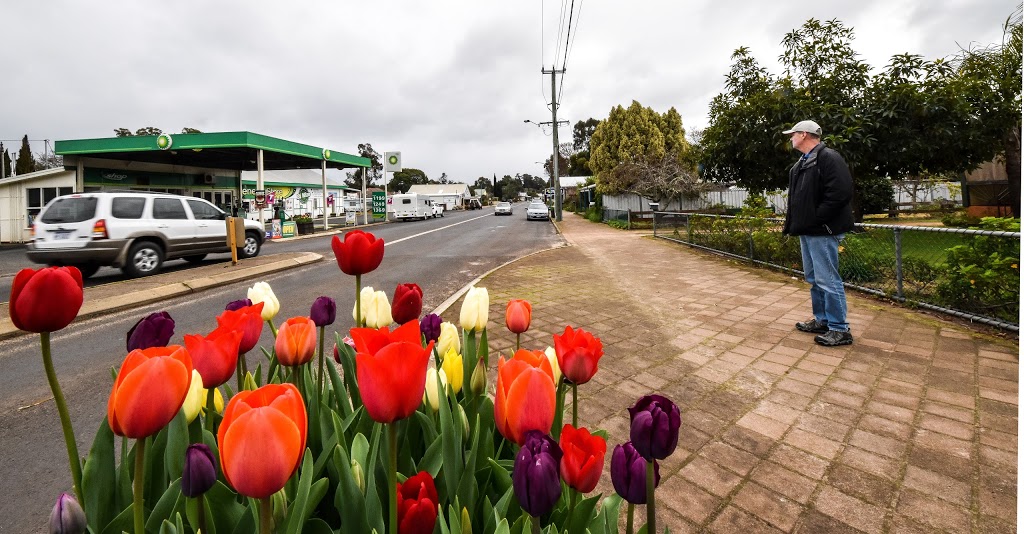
{"x": 819, "y": 212}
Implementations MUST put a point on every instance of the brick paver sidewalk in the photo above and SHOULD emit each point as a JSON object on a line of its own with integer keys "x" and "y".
{"x": 911, "y": 429}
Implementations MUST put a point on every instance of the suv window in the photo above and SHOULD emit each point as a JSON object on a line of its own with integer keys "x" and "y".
{"x": 127, "y": 207}
{"x": 168, "y": 208}
{"x": 70, "y": 210}
{"x": 204, "y": 211}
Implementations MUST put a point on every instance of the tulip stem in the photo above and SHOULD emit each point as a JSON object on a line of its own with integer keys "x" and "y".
{"x": 273, "y": 329}
{"x": 517, "y": 341}
{"x": 200, "y": 502}
{"x": 320, "y": 379}
{"x": 575, "y": 423}
{"x": 535, "y": 522}
{"x": 266, "y": 515}
{"x": 651, "y": 523}
{"x": 359, "y": 311}
{"x": 629, "y": 518}
{"x": 573, "y": 495}
{"x": 211, "y": 408}
{"x": 393, "y": 479}
{"x": 65, "y": 418}
{"x": 139, "y": 484}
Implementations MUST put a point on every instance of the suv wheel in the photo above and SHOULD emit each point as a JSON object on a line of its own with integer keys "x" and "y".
{"x": 251, "y": 247}
{"x": 144, "y": 258}
{"x": 87, "y": 269}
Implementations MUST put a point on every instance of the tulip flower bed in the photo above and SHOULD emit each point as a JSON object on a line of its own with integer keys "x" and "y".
{"x": 400, "y": 433}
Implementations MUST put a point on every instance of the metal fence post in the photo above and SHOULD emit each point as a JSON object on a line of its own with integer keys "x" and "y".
{"x": 898, "y": 238}
{"x": 750, "y": 240}
{"x": 629, "y": 223}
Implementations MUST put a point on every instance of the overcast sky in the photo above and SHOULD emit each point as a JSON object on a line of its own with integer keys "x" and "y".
{"x": 447, "y": 83}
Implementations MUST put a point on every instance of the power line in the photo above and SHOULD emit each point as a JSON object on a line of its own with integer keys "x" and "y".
{"x": 569, "y": 42}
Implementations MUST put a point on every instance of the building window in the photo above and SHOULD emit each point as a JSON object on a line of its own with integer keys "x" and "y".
{"x": 38, "y": 197}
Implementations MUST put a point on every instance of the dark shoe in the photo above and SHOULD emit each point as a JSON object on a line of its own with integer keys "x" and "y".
{"x": 813, "y": 326}
{"x": 834, "y": 338}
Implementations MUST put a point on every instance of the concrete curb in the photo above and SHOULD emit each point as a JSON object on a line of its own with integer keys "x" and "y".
{"x": 94, "y": 308}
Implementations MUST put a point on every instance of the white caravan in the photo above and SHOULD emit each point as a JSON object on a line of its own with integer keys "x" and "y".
{"x": 410, "y": 206}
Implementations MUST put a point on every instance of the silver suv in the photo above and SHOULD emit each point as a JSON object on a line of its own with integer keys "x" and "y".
{"x": 135, "y": 231}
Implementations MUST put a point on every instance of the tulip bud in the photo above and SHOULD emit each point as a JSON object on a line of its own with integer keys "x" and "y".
{"x": 407, "y": 304}
{"x": 654, "y": 427}
{"x": 200, "y": 472}
{"x": 465, "y": 424}
{"x": 553, "y": 360}
{"x": 517, "y": 316}
{"x": 478, "y": 382}
{"x": 153, "y": 330}
{"x": 67, "y": 516}
{"x": 629, "y": 474}
{"x": 337, "y": 355}
{"x": 195, "y": 397}
{"x": 430, "y": 327}
{"x": 467, "y": 525}
{"x": 475, "y": 305}
{"x": 249, "y": 384}
{"x": 535, "y": 479}
{"x": 448, "y": 339}
{"x": 262, "y": 292}
{"x": 324, "y": 311}
{"x": 357, "y": 473}
{"x": 453, "y": 369}
{"x": 430, "y": 392}
{"x": 238, "y": 304}
{"x": 279, "y": 502}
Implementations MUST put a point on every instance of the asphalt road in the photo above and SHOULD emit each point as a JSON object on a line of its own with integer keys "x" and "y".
{"x": 441, "y": 255}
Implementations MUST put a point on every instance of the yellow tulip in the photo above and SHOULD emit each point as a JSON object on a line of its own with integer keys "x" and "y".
{"x": 197, "y": 397}
{"x": 449, "y": 339}
{"x": 474, "y": 309}
{"x": 431, "y": 394}
{"x": 261, "y": 292}
{"x": 553, "y": 359}
{"x": 451, "y": 364}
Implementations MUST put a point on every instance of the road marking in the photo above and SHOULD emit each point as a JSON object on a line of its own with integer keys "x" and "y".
{"x": 386, "y": 243}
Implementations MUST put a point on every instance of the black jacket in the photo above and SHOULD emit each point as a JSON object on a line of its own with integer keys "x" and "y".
{"x": 820, "y": 191}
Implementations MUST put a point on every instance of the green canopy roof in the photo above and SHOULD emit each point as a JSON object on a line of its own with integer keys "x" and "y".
{"x": 216, "y": 150}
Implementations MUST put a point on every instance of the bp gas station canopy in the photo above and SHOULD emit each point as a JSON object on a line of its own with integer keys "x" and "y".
{"x": 237, "y": 151}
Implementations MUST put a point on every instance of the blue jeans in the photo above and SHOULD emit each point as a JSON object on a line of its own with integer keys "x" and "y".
{"x": 821, "y": 270}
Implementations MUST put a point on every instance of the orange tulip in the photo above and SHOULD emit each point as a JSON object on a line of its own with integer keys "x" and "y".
{"x": 296, "y": 341}
{"x": 150, "y": 389}
{"x": 391, "y": 370}
{"x": 517, "y": 316}
{"x": 536, "y": 358}
{"x": 578, "y": 353}
{"x": 262, "y": 438}
{"x": 214, "y": 355}
{"x": 248, "y": 320}
{"x": 524, "y": 398}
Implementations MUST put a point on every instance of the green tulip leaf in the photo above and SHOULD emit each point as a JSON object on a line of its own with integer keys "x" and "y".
{"x": 177, "y": 443}
{"x": 164, "y": 508}
{"x": 247, "y": 523}
{"x": 166, "y": 527}
{"x": 348, "y": 498}
{"x": 502, "y": 527}
{"x": 192, "y": 514}
{"x": 432, "y": 460}
{"x": 427, "y": 426}
{"x": 375, "y": 459}
{"x": 360, "y": 449}
{"x": 484, "y": 351}
{"x": 297, "y": 509}
{"x": 338, "y": 391}
{"x": 316, "y": 526}
{"x": 122, "y": 523}
{"x": 451, "y": 449}
{"x": 607, "y": 520}
{"x": 223, "y": 508}
{"x": 98, "y": 479}
{"x": 583, "y": 514}
{"x": 454, "y": 517}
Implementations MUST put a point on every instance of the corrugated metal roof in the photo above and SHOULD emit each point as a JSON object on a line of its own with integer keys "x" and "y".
{"x": 440, "y": 189}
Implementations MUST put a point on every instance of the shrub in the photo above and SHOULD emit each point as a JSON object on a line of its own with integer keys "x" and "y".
{"x": 983, "y": 275}
{"x": 960, "y": 219}
{"x": 876, "y": 194}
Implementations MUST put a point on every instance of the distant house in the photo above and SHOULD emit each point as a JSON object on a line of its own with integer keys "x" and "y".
{"x": 452, "y": 196}
{"x": 986, "y": 191}
{"x": 297, "y": 191}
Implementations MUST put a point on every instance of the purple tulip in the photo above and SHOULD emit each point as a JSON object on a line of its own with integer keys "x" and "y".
{"x": 67, "y": 516}
{"x": 535, "y": 478}
{"x": 200, "y": 472}
{"x": 430, "y": 327}
{"x": 629, "y": 474}
{"x": 654, "y": 427}
{"x": 153, "y": 330}
{"x": 237, "y": 304}
{"x": 323, "y": 311}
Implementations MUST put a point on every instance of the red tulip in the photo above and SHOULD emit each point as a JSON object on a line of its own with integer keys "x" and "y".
{"x": 296, "y": 341}
{"x": 262, "y": 439}
{"x": 46, "y": 300}
{"x": 524, "y": 398}
{"x": 517, "y": 316}
{"x": 248, "y": 320}
{"x": 359, "y": 253}
{"x": 582, "y": 458}
{"x": 150, "y": 389}
{"x": 214, "y": 356}
{"x": 417, "y": 504}
{"x": 391, "y": 370}
{"x": 578, "y": 353}
{"x": 407, "y": 303}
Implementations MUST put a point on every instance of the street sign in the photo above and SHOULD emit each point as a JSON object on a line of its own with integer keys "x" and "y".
{"x": 260, "y": 197}
{"x": 392, "y": 162}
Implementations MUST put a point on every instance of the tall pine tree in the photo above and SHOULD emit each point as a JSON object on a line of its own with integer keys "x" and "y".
{"x": 25, "y": 163}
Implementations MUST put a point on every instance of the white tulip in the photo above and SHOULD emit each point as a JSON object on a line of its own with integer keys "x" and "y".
{"x": 262, "y": 292}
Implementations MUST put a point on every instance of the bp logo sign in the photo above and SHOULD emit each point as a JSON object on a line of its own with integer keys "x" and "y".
{"x": 164, "y": 141}
{"x": 327, "y": 154}
{"x": 394, "y": 161}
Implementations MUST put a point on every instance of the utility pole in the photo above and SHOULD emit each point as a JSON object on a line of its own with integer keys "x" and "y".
{"x": 554, "y": 137}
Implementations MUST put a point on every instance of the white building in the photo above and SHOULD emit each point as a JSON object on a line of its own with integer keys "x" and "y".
{"x": 452, "y": 196}
{"x": 22, "y": 196}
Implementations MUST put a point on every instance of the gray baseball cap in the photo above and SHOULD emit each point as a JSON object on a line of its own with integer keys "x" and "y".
{"x": 805, "y": 126}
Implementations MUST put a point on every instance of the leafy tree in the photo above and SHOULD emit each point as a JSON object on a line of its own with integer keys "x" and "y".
{"x": 660, "y": 180}
{"x": 533, "y": 183}
{"x": 496, "y": 189}
{"x": 187, "y": 130}
{"x": 634, "y": 135}
{"x": 402, "y": 180}
{"x": 48, "y": 161}
{"x": 509, "y": 187}
{"x": 354, "y": 179}
{"x": 149, "y": 130}
{"x": 991, "y": 82}
{"x": 25, "y": 162}
{"x": 122, "y": 132}
{"x": 582, "y": 131}
{"x": 483, "y": 183}
{"x": 564, "y": 151}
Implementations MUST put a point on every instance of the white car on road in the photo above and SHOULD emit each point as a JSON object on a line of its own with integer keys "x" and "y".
{"x": 537, "y": 210}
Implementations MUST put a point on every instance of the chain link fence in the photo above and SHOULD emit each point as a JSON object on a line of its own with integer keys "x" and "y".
{"x": 973, "y": 274}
